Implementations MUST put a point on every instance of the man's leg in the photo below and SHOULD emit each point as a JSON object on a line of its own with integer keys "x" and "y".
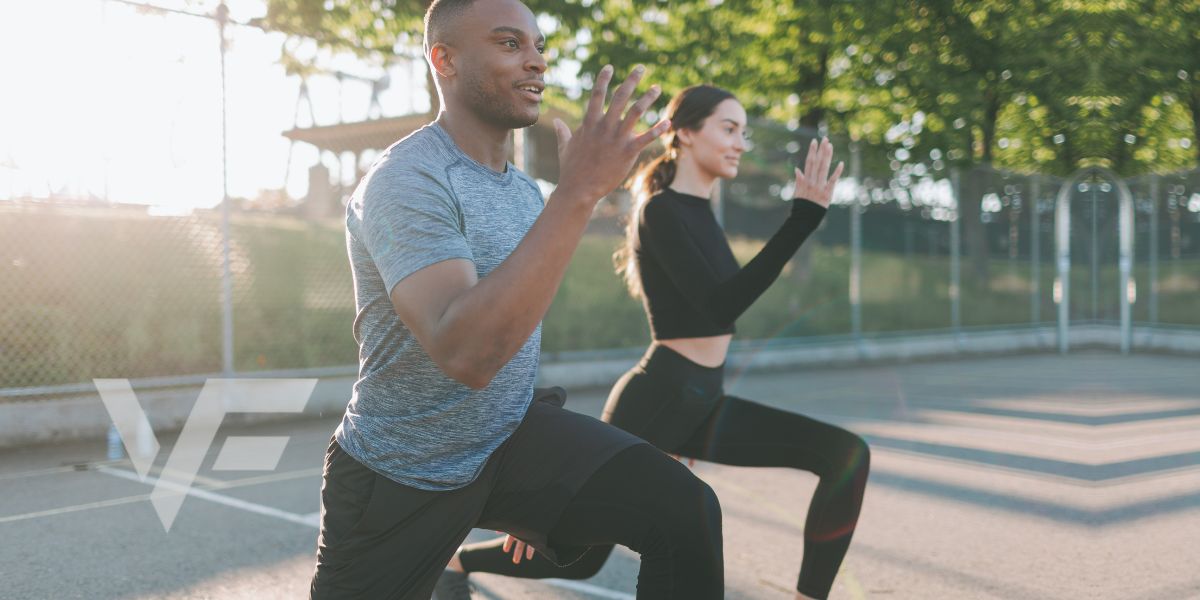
{"x": 567, "y": 481}
{"x": 380, "y": 539}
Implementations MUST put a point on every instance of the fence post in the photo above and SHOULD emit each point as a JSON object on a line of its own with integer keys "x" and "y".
{"x": 1126, "y": 230}
{"x": 955, "y": 257}
{"x": 222, "y": 17}
{"x": 1062, "y": 253}
{"x": 1035, "y": 235}
{"x": 1154, "y": 248}
{"x": 856, "y": 248}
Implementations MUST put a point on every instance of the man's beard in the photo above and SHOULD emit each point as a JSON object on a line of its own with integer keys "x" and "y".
{"x": 486, "y": 102}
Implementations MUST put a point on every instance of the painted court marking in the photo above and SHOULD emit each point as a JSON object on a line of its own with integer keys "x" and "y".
{"x": 252, "y": 507}
{"x": 309, "y": 520}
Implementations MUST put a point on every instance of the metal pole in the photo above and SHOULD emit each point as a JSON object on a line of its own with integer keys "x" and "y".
{"x": 116, "y": 450}
{"x": 1095, "y": 254}
{"x": 956, "y": 255}
{"x": 856, "y": 246}
{"x": 1062, "y": 242}
{"x": 222, "y": 17}
{"x": 1035, "y": 235}
{"x": 1154, "y": 249}
{"x": 1125, "y": 231}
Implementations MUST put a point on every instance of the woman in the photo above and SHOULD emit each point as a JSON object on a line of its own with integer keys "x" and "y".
{"x": 678, "y": 262}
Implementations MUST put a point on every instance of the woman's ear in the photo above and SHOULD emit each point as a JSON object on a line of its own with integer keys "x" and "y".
{"x": 441, "y": 57}
{"x": 683, "y": 137}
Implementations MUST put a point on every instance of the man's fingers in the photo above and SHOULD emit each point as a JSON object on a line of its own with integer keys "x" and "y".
{"x": 623, "y": 94}
{"x": 641, "y": 141}
{"x": 529, "y": 552}
{"x": 639, "y": 108}
{"x": 508, "y": 543}
{"x": 595, "y": 106}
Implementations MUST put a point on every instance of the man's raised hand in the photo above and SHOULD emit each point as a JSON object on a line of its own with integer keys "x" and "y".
{"x": 596, "y": 157}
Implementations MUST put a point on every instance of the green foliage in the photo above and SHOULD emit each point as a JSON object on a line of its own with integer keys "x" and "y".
{"x": 1026, "y": 85}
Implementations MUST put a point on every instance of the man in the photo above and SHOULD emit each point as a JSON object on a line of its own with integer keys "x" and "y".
{"x": 456, "y": 258}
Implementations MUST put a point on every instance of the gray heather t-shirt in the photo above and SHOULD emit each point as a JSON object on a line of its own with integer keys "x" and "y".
{"x": 424, "y": 202}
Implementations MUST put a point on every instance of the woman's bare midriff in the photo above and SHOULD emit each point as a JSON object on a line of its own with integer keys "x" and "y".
{"x": 704, "y": 351}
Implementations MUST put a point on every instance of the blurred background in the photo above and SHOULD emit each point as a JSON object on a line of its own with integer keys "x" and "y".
{"x": 173, "y": 177}
{"x": 1021, "y": 188}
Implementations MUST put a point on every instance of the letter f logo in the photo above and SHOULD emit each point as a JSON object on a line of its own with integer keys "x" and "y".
{"x": 218, "y": 398}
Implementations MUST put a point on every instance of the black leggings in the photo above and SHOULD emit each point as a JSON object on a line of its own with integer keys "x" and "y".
{"x": 678, "y": 527}
{"x": 680, "y": 407}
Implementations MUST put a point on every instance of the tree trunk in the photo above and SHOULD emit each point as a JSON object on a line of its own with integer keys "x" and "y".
{"x": 802, "y": 262}
{"x": 1195, "y": 104}
{"x": 974, "y": 236}
{"x": 814, "y": 83}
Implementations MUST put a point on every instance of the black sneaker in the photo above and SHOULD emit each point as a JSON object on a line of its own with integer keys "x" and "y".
{"x": 452, "y": 585}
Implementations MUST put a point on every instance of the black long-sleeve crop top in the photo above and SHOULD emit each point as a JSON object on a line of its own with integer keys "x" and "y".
{"x": 692, "y": 285}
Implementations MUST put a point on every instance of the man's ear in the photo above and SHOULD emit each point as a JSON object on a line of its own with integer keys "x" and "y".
{"x": 441, "y": 57}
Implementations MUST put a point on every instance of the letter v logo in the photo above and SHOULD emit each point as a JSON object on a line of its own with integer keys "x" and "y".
{"x": 218, "y": 398}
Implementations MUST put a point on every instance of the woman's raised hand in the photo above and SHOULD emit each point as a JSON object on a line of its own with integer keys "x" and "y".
{"x": 815, "y": 183}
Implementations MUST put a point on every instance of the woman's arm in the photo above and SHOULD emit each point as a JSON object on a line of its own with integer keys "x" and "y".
{"x": 725, "y": 300}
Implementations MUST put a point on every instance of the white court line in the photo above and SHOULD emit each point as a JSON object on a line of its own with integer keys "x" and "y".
{"x": 92, "y": 467}
{"x": 76, "y": 508}
{"x": 313, "y": 520}
{"x": 252, "y": 507}
{"x": 63, "y": 469}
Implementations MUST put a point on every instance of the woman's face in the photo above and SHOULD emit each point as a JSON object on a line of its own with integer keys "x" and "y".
{"x": 718, "y": 146}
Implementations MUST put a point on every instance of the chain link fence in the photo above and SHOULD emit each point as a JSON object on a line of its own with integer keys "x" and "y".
{"x": 1167, "y": 248}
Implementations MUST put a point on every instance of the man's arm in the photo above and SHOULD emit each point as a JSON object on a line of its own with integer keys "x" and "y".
{"x": 471, "y": 328}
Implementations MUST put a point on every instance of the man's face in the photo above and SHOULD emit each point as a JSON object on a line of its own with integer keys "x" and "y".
{"x": 500, "y": 63}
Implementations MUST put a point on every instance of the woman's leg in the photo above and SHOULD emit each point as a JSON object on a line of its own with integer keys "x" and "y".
{"x": 745, "y": 433}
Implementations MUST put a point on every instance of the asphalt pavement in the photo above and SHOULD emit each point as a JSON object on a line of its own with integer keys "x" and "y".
{"x": 1038, "y": 476}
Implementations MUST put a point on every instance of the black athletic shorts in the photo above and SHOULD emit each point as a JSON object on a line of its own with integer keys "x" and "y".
{"x": 381, "y": 539}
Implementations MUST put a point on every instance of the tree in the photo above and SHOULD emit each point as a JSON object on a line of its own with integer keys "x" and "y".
{"x": 372, "y": 29}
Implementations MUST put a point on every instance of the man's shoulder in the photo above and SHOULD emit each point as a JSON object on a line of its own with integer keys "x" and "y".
{"x": 416, "y": 164}
{"x": 422, "y": 151}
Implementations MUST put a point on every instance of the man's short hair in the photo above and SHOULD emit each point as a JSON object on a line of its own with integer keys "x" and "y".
{"x": 439, "y": 19}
